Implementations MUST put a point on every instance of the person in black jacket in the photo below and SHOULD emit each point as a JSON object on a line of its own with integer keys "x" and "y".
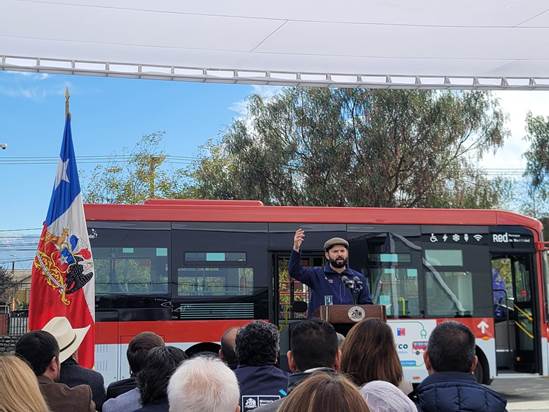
{"x": 260, "y": 381}
{"x": 313, "y": 348}
{"x": 138, "y": 348}
{"x": 451, "y": 386}
{"x": 72, "y": 374}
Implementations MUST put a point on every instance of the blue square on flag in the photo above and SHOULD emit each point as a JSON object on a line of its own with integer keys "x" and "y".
{"x": 401, "y": 331}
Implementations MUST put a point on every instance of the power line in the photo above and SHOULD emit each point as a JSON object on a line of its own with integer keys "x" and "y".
{"x": 95, "y": 159}
{"x": 173, "y": 159}
{"x": 18, "y": 260}
{"x": 56, "y": 158}
{"x": 20, "y": 230}
{"x": 20, "y": 239}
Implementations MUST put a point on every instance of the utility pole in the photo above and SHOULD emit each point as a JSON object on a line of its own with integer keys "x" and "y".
{"x": 152, "y": 173}
{"x": 154, "y": 161}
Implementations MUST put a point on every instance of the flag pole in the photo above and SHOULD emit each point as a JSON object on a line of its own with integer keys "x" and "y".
{"x": 67, "y": 103}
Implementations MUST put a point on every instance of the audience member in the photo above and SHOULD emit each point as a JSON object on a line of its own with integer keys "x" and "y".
{"x": 20, "y": 392}
{"x": 313, "y": 348}
{"x": 261, "y": 382}
{"x": 72, "y": 374}
{"x": 369, "y": 354}
{"x": 383, "y": 396}
{"x": 124, "y": 394}
{"x": 41, "y": 351}
{"x": 153, "y": 379}
{"x": 227, "y": 353}
{"x": 203, "y": 384}
{"x": 450, "y": 360}
{"x": 325, "y": 392}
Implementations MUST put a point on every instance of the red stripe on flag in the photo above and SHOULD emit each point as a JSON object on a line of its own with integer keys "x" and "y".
{"x": 47, "y": 297}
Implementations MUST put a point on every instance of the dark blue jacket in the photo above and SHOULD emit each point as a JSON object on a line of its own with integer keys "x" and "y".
{"x": 324, "y": 281}
{"x": 160, "y": 405}
{"x": 119, "y": 387}
{"x": 260, "y": 385}
{"x": 457, "y": 391}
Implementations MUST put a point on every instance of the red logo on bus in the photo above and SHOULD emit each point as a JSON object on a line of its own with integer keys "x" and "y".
{"x": 420, "y": 345}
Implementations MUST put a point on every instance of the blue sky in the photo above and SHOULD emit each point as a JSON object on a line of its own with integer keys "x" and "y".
{"x": 109, "y": 115}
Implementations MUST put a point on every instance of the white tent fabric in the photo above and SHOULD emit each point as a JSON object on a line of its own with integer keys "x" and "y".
{"x": 376, "y": 43}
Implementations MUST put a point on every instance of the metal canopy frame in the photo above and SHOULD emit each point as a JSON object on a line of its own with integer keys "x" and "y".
{"x": 275, "y": 78}
{"x": 406, "y": 44}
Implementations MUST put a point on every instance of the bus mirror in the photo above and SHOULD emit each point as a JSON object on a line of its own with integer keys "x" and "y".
{"x": 299, "y": 306}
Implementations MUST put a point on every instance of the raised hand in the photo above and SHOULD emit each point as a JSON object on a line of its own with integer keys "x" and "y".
{"x": 298, "y": 239}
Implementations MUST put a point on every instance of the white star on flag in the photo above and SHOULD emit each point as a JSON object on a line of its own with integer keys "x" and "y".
{"x": 61, "y": 172}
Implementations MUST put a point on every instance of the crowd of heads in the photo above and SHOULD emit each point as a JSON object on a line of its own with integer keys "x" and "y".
{"x": 362, "y": 373}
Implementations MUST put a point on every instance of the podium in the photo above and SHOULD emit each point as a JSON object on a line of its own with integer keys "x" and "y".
{"x": 350, "y": 314}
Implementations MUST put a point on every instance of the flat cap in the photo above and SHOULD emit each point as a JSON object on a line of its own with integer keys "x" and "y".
{"x": 335, "y": 241}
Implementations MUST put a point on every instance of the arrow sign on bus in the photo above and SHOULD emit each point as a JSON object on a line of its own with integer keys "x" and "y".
{"x": 483, "y": 326}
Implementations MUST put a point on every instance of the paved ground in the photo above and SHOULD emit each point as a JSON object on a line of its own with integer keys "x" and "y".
{"x": 524, "y": 393}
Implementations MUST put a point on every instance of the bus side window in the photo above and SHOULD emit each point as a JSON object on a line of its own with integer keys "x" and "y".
{"x": 449, "y": 285}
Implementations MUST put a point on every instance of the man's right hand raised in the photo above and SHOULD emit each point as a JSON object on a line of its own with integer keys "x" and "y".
{"x": 298, "y": 239}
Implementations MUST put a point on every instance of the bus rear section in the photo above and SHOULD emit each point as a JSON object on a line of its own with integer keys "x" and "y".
{"x": 187, "y": 282}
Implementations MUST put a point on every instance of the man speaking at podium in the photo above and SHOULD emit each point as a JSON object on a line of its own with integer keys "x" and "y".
{"x": 334, "y": 283}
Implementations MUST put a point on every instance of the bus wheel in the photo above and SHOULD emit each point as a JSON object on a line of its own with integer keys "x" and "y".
{"x": 482, "y": 374}
{"x": 479, "y": 373}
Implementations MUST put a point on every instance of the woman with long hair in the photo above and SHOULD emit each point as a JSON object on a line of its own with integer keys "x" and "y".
{"x": 369, "y": 354}
{"x": 19, "y": 387}
{"x": 325, "y": 392}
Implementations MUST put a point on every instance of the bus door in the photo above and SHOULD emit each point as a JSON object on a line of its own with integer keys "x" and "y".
{"x": 291, "y": 291}
{"x": 514, "y": 313}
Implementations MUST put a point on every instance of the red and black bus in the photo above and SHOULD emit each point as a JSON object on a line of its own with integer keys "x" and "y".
{"x": 189, "y": 269}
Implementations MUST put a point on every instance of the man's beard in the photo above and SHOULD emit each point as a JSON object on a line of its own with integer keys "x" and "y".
{"x": 338, "y": 263}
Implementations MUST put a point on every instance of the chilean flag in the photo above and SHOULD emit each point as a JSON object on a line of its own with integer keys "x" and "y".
{"x": 62, "y": 271}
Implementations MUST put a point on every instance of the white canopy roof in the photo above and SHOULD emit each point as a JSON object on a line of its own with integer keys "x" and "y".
{"x": 374, "y": 43}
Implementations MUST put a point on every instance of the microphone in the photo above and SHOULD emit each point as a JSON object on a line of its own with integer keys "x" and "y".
{"x": 353, "y": 286}
{"x": 359, "y": 285}
{"x": 348, "y": 282}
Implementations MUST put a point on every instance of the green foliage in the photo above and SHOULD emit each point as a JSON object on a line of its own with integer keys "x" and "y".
{"x": 7, "y": 284}
{"x": 357, "y": 147}
{"x": 143, "y": 177}
{"x": 536, "y": 202}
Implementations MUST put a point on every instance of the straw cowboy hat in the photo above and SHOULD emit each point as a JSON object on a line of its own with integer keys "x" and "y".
{"x": 67, "y": 338}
